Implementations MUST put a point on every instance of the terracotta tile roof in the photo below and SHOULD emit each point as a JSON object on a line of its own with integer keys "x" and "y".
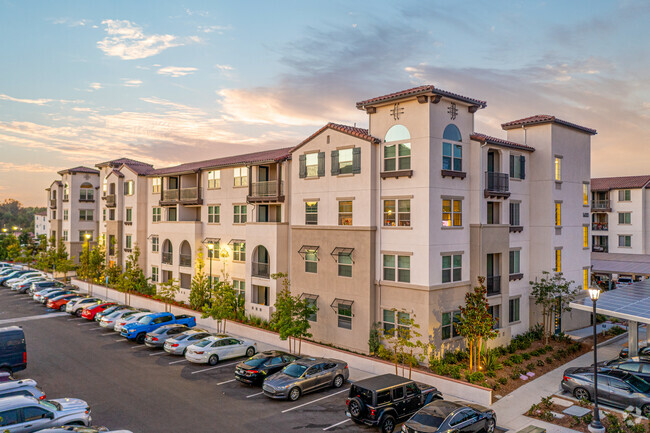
{"x": 420, "y": 90}
{"x": 80, "y": 169}
{"x": 545, "y": 118}
{"x": 117, "y": 173}
{"x": 350, "y": 130}
{"x": 275, "y": 155}
{"x": 500, "y": 142}
{"x": 623, "y": 182}
{"x": 137, "y": 166}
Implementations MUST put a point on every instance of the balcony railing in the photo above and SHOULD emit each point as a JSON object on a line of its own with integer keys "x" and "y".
{"x": 600, "y": 249}
{"x": 600, "y": 204}
{"x": 190, "y": 195}
{"x": 185, "y": 260}
{"x": 599, "y": 226}
{"x": 493, "y": 285}
{"x": 260, "y": 270}
{"x": 497, "y": 184}
{"x": 53, "y": 203}
{"x": 168, "y": 258}
{"x": 267, "y": 191}
{"x": 110, "y": 200}
{"x": 170, "y": 195}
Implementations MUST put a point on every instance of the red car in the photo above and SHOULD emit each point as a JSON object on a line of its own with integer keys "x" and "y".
{"x": 89, "y": 313}
{"x": 58, "y": 303}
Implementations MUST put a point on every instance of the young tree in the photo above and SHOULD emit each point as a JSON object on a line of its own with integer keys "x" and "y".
{"x": 132, "y": 279}
{"x": 61, "y": 262}
{"x": 167, "y": 292}
{"x": 291, "y": 316}
{"x": 200, "y": 287}
{"x": 222, "y": 304}
{"x": 553, "y": 294}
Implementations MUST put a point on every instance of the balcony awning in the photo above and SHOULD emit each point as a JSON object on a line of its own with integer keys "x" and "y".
{"x": 341, "y": 251}
{"x": 307, "y": 249}
{"x": 238, "y": 241}
{"x": 335, "y": 304}
{"x": 309, "y": 296}
{"x": 210, "y": 241}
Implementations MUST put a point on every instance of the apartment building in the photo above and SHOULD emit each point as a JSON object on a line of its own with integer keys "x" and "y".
{"x": 41, "y": 224}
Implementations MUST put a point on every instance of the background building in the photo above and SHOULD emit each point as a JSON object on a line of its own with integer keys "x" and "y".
{"x": 41, "y": 224}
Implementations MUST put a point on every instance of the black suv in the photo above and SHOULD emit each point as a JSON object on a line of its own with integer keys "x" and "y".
{"x": 386, "y": 400}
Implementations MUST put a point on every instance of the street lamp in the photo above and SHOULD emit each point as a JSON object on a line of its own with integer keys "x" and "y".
{"x": 210, "y": 254}
{"x": 87, "y": 236}
{"x": 14, "y": 228}
{"x": 596, "y": 426}
{"x": 224, "y": 254}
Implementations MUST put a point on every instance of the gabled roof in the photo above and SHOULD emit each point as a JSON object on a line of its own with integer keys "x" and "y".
{"x": 80, "y": 169}
{"x": 540, "y": 119}
{"x": 116, "y": 163}
{"x": 420, "y": 90}
{"x": 116, "y": 172}
{"x": 139, "y": 169}
{"x": 345, "y": 129}
{"x": 275, "y": 155}
{"x": 623, "y": 182}
{"x": 500, "y": 142}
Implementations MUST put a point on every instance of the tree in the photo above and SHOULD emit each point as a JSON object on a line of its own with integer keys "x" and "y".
{"x": 61, "y": 262}
{"x": 132, "y": 279}
{"x": 222, "y": 304}
{"x": 167, "y": 292}
{"x": 476, "y": 323}
{"x": 200, "y": 286}
{"x": 553, "y": 294}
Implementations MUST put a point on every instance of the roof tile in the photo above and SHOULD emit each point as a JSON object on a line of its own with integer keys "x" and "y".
{"x": 80, "y": 169}
{"x": 419, "y": 91}
{"x": 350, "y": 130}
{"x": 545, "y": 118}
{"x": 609, "y": 183}
{"x": 500, "y": 142}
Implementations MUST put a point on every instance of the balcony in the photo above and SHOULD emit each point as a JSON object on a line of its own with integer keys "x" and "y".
{"x": 260, "y": 270}
{"x": 186, "y": 196}
{"x": 266, "y": 192}
{"x": 497, "y": 185}
{"x": 597, "y": 227}
{"x": 168, "y": 258}
{"x": 53, "y": 203}
{"x": 493, "y": 285}
{"x": 110, "y": 200}
{"x": 601, "y": 206}
{"x": 600, "y": 249}
{"x": 185, "y": 260}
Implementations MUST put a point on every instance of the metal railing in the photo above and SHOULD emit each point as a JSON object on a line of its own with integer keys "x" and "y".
{"x": 600, "y": 204}
{"x": 600, "y": 248}
{"x": 189, "y": 194}
{"x": 267, "y": 189}
{"x": 53, "y": 203}
{"x": 168, "y": 258}
{"x": 170, "y": 195}
{"x": 497, "y": 182}
{"x": 493, "y": 285}
{"x": 599, "y": 226}
{"x": 110, "y": 200}
{"x": 260, "y": 270}
{"x": 185, "y": 260}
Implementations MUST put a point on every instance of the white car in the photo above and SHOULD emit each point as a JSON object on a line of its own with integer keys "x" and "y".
{"x": 77, "y": 306}
{"x": 111, "y": 320}
{"x": 212, "y": 349}
{"x": 132, "y": 318}
{"x": 23, "y": 277}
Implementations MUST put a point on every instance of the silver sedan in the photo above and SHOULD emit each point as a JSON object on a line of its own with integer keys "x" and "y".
{"x": 306, "y": 375}
{"x": 179, "y": 343}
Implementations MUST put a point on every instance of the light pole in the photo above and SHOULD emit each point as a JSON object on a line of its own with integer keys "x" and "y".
{"x": 210, "y": 255}
{"x": 87, "y": 236}
{"x": 596, "y": 426}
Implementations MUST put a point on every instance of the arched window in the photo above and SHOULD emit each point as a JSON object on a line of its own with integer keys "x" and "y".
{"x": 86, "y": 192}
{"x": 185, "y": 257}
{"x": 452, "y": 153}
{"x": 66, "y": 192}
{"x": 260, "y": 262}
{"x": 168, "y": 253}
{"x": 397, "y": 150}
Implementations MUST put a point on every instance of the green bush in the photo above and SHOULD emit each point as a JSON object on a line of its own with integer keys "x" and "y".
{"x": 449, "y": 357}
{"x": 548, "y": 348}
{"x": 508, "y": 363}
{"x": 562, "y": 353}
{"x": 557, "y": 356}
{"x": 530, "y": 366}
{"x": 516, "y": 359}
{"x": 616, "y": 330}
{"x": 535, "y": 352}
{"x": 384, "y": 353}
{"x": 540, "y": 363}
{"x": 542, "y": 350}
{"x": 514, "y": 375}
{"x": 475, "y": 377}
{"x": 526, "y": 356}
{"x": 502, "y": 380}
{"x": 491, "y": 373}
{"x": 454, "y": 372}
{"x": 549, "y": 360}
{"x": 500, "y": 351}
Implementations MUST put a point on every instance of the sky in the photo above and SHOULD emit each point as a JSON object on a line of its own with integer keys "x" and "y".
{"x": 167, "y": 82}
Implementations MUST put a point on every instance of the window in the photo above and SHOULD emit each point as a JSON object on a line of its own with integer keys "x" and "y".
{"x": 9, "y": 417}
{"x": 625, "y": 218}
{"x": 585, "y": 194}
{"x": 558, "y": 214}
{"x": 172, "y": 214}
{"x": 494, "y": 311}
{"x": 513, "y": 310}
{"x": 345, "y": 265}
{"x": 400, "y": 216}
{"x": 129, "y": 215}
{"x": 157, "y": 214}
{"x": 311, "y": 261}
{"x": 103, "y": 214}
{"x": 452, "y": 157}
{"x": 241, "y": 176}
{"x": 397, "y": 267}
{"x": 213, "y": 214}
{"x": 450, "y": 322}
{"x": 345, "y": 161}
{"x": 111, "y": 214}
{"x": 585, "y": 236}
{"x": 214, "y": 179}
{"x": 155, "y": 244}
{"x": 83, "y": 233}
{"x": 585, "y": 278}
{"x": 558, "y": 260}
{"x": 514, "y": 214}
{"x": 311, "y": 212}
{"x": 260, "y": 295}
{"x": 517, "y": 166}
{"x": 397, "y": 157}
{"x": 128, "y": 242}
{"x": 392, "y": 318}
{"x": 239, "y": 214}
{"x": 156, "y": 182}
{"x": 311, "y": 164}
{"x": 624, "y": 195}
{"x": 452, "y": 267}
{"x": 65, "y": 214}
{"x": 624, "y": 241}
{"x": 239, "y": 251}
{"x": 86, "y": 192}
{"x": 154, "y": 274}
{"x": 344, "y": 311}
{"x": 240, "y": 287}
{"x": 85, "y": 215}
{"x": 558, "y": 169}
{"x": 312, "y": 302}
{"x": 452, "y": 213}
{"x": 493, "y": 212}
{"x": 128, "y": 188}
{"x": 514, "y": 262}
{"x": 345, "y": 213}
{"x": 65, "y": 235}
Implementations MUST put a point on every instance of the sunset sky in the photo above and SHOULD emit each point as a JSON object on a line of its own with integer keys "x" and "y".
{"x": 170, "y": 81}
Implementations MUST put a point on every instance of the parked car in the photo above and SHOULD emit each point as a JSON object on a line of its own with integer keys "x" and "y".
{"x": 11, "y": 275}
{"x": 75, "y": 308}
{"x": 385, "y": 400}
{"x": 26, "y": 284}
{"x": 615, "y": 387}
{"x": 79, "y": 429}
{"x": 41, "y": 285}
{"x": 111, "y": 309}
{"x": 137, "y": 330}
{"x": 28, "y": 414}
{"x": 305, "y": 375}
{"x": 38, "y": 295}
{"x": 624, "y": 281}
{"x": 255, "y": 369}
{"x": 89, "y": 312}
{"x": 58, "y": 302}
{"x": 26, "y": 387}
{"x": 442, "y": 415}
{"x": 157, "y": 337}
{"x": 643, "y": 351}
{"x": 218, "y": 347}
{"x": 22, "y": 277}
{"x": 54, "y": 294}
{"x": 119, "y": 326}
{"x": 637, "y": 365}
{"x": 109, "y": 320}
{"x": 178, "y": 344}
{"x": 13, "y": 349}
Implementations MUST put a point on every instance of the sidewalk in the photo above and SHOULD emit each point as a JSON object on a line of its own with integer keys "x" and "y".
{"x": 510, "y": 409}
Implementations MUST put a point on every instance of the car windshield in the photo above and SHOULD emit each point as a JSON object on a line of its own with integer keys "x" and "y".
{"x": 145, "y": 320}
{"x": 294, "y": 370}
{"x": 638, "y": 383}
{"x": 51, "y": 405}
{"x": 128, "y": 314}
{"x": 256, "y": 361}
{"x": 181, "y": 337}
{"x": 203, "y": 343}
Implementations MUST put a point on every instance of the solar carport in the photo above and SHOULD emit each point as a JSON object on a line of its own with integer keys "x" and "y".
{"x": 631, "y": 303}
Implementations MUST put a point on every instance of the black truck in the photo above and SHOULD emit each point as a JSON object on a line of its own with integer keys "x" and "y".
{"x": 13, "y": 351}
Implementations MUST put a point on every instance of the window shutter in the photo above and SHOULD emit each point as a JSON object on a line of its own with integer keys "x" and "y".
{"x": 335, "y": 162}
{"x": 512, "y": 165}
{"x": 302, "y": 171}
{"x": 523, "y": 167}
{"x": 356, "y": 160}
{"x": 321, "y": 164}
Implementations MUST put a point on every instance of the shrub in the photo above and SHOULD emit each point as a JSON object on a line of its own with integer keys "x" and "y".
{"x": 562, "y": 353}
{"x": 540, "y": 363}
{"x": 526, "y": 356}
{"x": 557, "y": 356}
{"x": 549, "y": 360}
{"x": 542, "y": 351}
{"x": 516, "y": 359}
{"x": 454, "y": 372}
{"x": 493, "y": 385}
{"x": 475, "y": 377}
{"x": 491, "y": 361}
{"x": 616, "y": 330}
{"x": 530, "y": 366}
{"x": 449, "y": 357}
{"x": 508, "y": 363}
{"x": 491, "y": 373}
{"x": 500, "y": 351}
{"x": 512, "y": 347}
{"x": 502, "y": 380}
{"x": 462, "y": 356}
{"x": 514, "y": 375}
{"x": 535, "y": 352}
{"x": 384, "y": 353}
{"x": 548, "y": 348}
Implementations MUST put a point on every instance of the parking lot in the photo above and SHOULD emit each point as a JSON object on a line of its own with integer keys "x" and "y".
{"x": 144, "y": 390}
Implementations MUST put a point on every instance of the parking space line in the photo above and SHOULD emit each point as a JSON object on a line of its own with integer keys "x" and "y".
{"x": 121, "y": 339}
{"x": 74, "y": 318}
{"x": 227, "y": 381}
{"x": 313, "y": 401}
{"x": 337, "y": 424}
{"x": 176, "y": 362}
{"x": 253, "y": 395}
{"x": 99, "y": 329}
{"x": 218, "y": 366}
{"x": 159, "y": 353}
{"x": 88, "y": 323}
{"x": 140, "y": 347}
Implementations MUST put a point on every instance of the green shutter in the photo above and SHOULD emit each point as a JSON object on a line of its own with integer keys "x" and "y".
{"x": 356, "y": 160}
{"x": 335, "y": 162}
{"x": 302, "y": 170}
{"x": 522, "y": 169}
{"x": 321, "y": 164}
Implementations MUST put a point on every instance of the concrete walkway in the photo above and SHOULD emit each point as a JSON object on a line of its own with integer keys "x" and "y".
{"x": 510, "y": 409}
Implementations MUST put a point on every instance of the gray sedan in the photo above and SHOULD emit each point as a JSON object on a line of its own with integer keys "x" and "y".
{"x": 306, "y": 375}
{"x": 178, "y": 344}
{"x": 157, "y": 337}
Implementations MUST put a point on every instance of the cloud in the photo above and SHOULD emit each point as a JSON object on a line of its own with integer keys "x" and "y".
{"x": 176, "y": 71}
{"x": 211, "y": 29}
{"x": 72, "y": 23}
{"x": 224, "y": 67}
{"x": 131, "y": 83}
{"x": 30, "y": 168}
{"x": 95, "y": 86}
{"x": 41, "y": 101}
{"x": 127, "y": 41}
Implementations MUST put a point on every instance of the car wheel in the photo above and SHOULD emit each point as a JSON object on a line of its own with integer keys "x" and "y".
{"x": 489, "y": 425}
{"x": 78, "y": 313}
{"x": 213, "y": 360}
{"x": 5, "y": 370}
{"x": 184, "y": 351}
{"x": 294, "y": 394}
{"x": 581, "y": 394}
{"x": 140, "y": 338}
{"x": 250, "y": 351}
{"x": 645, "y": 410}
{"x": 62, "y": 307}
{"x": 387, "y": 424}
{"x": 356, "y": 407}
{"x": 338, "y": 381}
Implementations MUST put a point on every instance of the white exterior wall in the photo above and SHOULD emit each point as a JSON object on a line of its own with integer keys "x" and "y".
{"x": 41, "y": 225}
{"x": 636, "y": 206}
